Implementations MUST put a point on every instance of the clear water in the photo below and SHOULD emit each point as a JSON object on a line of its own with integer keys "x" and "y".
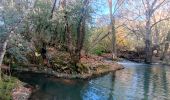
{"x": 135, "y": 82}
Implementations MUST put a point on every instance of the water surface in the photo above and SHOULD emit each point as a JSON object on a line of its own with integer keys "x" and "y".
{"x": 136, "y": 82}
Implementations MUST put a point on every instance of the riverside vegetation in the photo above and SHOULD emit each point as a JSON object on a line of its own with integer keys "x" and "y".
{"x": 75, "y": 39}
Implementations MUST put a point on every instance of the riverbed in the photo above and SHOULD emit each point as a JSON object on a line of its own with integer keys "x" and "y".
{"x": 136, "y": 82}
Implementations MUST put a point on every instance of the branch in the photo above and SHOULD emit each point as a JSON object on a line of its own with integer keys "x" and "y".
{"x": 118, "y": 5}
{"x": 134, "y": 31}
{"x": 95, "y": 43}
{"x": 144, "y": 4}
{"x": 159, "y": 21}
{"x": 94, "y": 40}
{"x": 153, "y": 3}
{"x": 52, "y": 10}
{"x": 158, "y": 5}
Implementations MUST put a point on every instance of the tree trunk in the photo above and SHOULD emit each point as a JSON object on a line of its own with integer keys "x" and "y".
{"x": 76, "y": 53}
{"x": 3, "y": 47}
{"x": 165, "y": 51}
{"x": 148, "y": 41}
{"x": 44, "y": 53}
{"x": 112, "y": 30}
{"x": 156, "y": 39}
{"x": 148, "y": 36}
{"x": 166, "y": 46}
{"x": 114, "y": 56}
{"x": 68, "y": 34}
{"x": 156, "y": 36}
{"x": 81, "y": 32}
{"x": 80, "y": 39}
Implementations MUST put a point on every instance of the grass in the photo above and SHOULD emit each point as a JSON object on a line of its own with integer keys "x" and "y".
{"x": 6, "y": 87}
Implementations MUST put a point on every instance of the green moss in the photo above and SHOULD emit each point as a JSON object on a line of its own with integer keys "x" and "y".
{"x": 6, "y": 87}
{"x": 98, "y": 52}
{"x": 103, "y": 66}
{"x": 82, "y": 68}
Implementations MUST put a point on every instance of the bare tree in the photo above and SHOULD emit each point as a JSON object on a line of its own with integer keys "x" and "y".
{"x": 145, "y": 11}
{"x": 150, "y": 9}
{"x": 166, "y": 46}
{"x": 113, "y": 10}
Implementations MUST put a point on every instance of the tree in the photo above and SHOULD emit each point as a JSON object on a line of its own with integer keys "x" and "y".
{"x": 117, "y": 5}
{"x": 166, "y": 46}
{"x": 75, "y": 53}
{"x": 141, "y": 16}
{"x": 81, "y": 30}
{"x": 2, "y": 52}
{"x": 12, "y": 15}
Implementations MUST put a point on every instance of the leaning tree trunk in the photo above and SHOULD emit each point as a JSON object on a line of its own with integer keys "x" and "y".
{"x": 3, "y": 47}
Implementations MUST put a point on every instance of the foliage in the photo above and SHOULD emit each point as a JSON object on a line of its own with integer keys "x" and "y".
{"x": 99, "y": 52}
{"x": 33, "y": 25}
{"x": 104, "y": 45}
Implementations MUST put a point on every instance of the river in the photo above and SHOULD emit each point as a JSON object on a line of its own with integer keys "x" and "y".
{"x": 136, "y": 82}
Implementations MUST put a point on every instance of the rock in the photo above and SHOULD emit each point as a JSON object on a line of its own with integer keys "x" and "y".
{"x": 21, "y": 93}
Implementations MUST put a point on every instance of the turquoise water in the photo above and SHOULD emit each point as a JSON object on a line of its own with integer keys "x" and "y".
{"x": 135, "y": 82}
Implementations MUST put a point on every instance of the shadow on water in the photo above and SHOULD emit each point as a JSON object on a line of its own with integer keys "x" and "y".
{"x": 135, "y": 82}
{"x": 111, "y": 94}
{"x": 50, "y": 88}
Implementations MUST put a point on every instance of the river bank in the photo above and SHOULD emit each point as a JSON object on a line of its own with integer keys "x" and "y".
{"x": 95, "y": 69}
{"x": 60, "y": 65}
{"x": 13, "y": 89}
{"x": 131, "y": 82}
{"x": 139, "y": 57}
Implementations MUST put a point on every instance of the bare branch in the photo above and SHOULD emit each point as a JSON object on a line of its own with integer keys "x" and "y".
{"x": 158, "y": 6}
{"x": 53, "y": 7}
{"x": 159, "y": 21}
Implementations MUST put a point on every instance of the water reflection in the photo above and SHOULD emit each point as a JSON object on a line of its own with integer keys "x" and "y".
{"x": 135, "y": 82}
{"x": 52, "y": 88}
